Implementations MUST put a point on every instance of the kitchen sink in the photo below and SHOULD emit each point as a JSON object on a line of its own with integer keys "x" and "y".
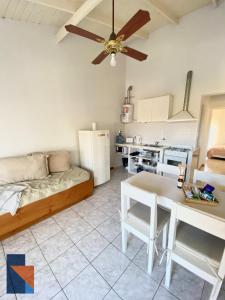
{"x": 153, "y": 145}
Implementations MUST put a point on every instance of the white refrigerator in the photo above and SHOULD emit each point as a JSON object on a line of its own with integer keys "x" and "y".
{"x": 95, "y": 154}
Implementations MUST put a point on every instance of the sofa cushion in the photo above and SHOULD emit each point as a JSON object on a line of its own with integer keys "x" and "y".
{"x": 21, "y": 168}
{"x": 58, "y": 161}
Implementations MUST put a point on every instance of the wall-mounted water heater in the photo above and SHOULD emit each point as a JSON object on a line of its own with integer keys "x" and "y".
{"x": 127, "y": 108}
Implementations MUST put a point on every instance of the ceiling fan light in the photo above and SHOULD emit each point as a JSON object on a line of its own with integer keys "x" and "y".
{"x": 113, "y": 60}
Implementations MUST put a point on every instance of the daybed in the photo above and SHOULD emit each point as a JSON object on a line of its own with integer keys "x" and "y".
{"x": 44, "y": 197}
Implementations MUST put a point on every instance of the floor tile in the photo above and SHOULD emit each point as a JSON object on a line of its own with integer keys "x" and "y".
{"x": 97, "y": 200}
{"x": 110, "y": 229}
{"x": 78, "y": 230}
{"x": 35, "y": 258}
{"x": 60, "y": 296}
{"x": 2, "y": 280}
{"x": 141, "y": 260}
{"x": 45, "y": 286}
{"x": 89, "y": 285}
{"x": 55, "y": 246}
{"x": 207, "y": 290}
{"x": 83, "y": 208}
{"x": 68, "y": 265}
{"x": 135, "y": 284}
{"x": 133, "y": 246}
{"x": 44, "y": 230}
{"x": 66, "y": 218}
{"x": 110, "y": 208}
{"x": 22, "y": 244}
{"x": 185, "y": 285}
{"x": 92, "y": 244}
{"x": 15, "y": 236}
{"x": 112, "y": 296}
{"x": 2, "y": 258}
{"x": 96, "y": 217}
{"x": 111, "y": 263}
{"x": 163, "y": 294}
{"x": 8, "y": 297}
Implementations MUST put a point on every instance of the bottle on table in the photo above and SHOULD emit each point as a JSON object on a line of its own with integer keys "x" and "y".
{"x": 180, "y": 181}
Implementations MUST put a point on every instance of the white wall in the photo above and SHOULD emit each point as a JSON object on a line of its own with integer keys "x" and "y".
{"x": 198, "y": 44}
{"x": 49, "y": 91}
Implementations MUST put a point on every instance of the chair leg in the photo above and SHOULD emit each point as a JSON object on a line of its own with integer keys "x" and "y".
{"x": 124, "y": 239}
{"x": 151, "y": 252}
{"x": 216, "y": 290}
{"x": 165, "y": 234}
{"x": 169, "y": 269}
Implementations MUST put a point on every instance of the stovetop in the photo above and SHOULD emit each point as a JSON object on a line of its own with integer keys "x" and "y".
{"x": 178, "y": 149}
{"x": 153, "y": 145}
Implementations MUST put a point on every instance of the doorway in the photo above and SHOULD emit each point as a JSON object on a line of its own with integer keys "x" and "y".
{"x": 212, "y": 134}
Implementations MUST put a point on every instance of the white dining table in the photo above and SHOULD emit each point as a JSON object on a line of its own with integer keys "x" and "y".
{"x": 167, "y": 193}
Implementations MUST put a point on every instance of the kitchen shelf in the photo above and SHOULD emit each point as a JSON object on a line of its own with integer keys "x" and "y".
{"x": 143, "y": 157}
{"x": 124, "y": 155}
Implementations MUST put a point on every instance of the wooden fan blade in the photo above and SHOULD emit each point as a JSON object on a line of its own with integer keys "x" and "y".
{"x": 100, "y": 58}
{"x": 84, "y": 33}
{"x": 134, "y": 24}
{"x": 134, "y": 53}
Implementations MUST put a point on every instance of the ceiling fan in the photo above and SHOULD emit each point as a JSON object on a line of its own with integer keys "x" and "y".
{"x": 114, "y": 44}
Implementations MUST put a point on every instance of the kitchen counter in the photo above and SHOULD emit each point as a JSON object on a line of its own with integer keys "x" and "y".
{"x": 192, "y": 155}
{"x": 142, "y": 146}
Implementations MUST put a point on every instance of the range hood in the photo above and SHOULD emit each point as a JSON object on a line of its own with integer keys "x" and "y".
{"x": 184, "y": 115}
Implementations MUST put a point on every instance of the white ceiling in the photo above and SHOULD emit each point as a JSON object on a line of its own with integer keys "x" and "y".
{"x": 98, "y": 20}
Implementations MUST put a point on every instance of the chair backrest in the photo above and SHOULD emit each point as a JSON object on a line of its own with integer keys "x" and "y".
{"x": 188, "y": 215}
{"x": 210, "y": 178}
{"x": 167, "y": 169}
{"x": 147, "y": 198}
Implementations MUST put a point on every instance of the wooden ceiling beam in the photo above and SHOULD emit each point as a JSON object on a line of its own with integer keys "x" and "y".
{"x": 163, "y": 11}
{"x": 77, "y": 17}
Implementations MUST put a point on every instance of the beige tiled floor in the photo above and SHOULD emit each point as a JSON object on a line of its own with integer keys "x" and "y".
{"x": 77, "y": 255}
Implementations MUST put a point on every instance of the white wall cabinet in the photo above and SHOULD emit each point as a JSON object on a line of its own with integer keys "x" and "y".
{"x": 157, "y": 109}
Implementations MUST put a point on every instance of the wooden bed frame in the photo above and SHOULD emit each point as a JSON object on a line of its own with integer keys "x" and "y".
{"x": 42, "y": 209}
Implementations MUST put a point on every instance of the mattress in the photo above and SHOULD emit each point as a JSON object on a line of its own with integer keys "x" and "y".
{"x": 216, "y": 151}
{"x": 53, "y": 184}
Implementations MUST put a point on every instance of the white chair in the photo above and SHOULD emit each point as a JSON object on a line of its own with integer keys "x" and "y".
{"x": 167, "y": 169}
{"x": 197, "y": 244}
{"x": 208, "y": 177}
{"x": 145, "y": 220}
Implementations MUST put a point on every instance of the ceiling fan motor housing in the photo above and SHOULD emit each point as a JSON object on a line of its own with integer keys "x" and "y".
{"x": 113, "y": 46}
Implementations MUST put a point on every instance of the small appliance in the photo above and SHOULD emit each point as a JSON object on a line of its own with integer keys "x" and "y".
{"x": 138, "y": 139}
{"x": 129, "y": 140}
